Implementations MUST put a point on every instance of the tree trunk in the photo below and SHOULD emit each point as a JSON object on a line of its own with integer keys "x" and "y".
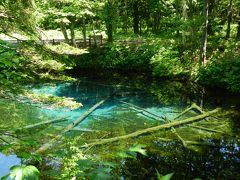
{"x": 73, "y": 40}
{"x": 48, "y": 145}
{"x": 211, "y": 4}
{"x": 44, "y": 123}
{"x": 110, "y": 32}
{"x": 135, "y": 17}
{"x": 109, "y": 21}
{"x": 238, "y": 29}
{"x": 153, "y": 129}
{"x": 84, "y": 33}
{"x": 125, "y": 16}
{"x": 156, "y": 117}
{"x": 178, "y": 14}
{"x": 184, "y": 18}
{"x": 64, "y": 31}
{"x": 229, "y": 20}
{"x": 156, "y": 20}
{"x": 203, "y": 51}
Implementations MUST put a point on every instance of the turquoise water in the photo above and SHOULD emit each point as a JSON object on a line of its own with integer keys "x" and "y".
{"x": 113, "y": 118}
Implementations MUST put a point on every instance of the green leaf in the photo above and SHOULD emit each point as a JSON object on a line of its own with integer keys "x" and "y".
{"x": 31, "y": 172}
{"x": 24, "y": 172}
{"x": 16, "y": 172}
{"x": 126, "y": 155}
{"x": 5, "y": 177}
{"x": 138, "y": 148}
{"x": 166, "y": 177}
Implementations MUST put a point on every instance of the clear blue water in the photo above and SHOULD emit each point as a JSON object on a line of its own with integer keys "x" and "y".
{"x": 165, "y": 99}
{"x": 6, "y": 162}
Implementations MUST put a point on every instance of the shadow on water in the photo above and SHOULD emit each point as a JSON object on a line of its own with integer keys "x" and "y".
{"x": 215, "y": 156}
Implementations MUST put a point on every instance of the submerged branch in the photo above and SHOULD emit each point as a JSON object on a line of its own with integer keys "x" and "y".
{"x": 48, "y": 145}
{"x": 193, "y": 106}
{"x": 153, "y": 129}
{"x": 157, "y": 117}
{"x": 44, "y": 123}
{"x": 206, "y": 129}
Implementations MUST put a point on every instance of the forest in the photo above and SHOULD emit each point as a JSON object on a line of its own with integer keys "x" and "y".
{"x": 128, "y": 89}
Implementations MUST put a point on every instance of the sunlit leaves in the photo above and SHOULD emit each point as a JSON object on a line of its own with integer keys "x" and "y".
{"x": 164, "y": 177}
{"x": 23, "y": 173}
{"x": 18, "y": 15}
{"x": 139, "y": 148}
{"x": 132, "y": 152}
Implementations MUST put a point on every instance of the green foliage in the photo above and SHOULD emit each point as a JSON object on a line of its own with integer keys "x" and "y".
{"x": 131, "y": 153}
{"x": 11, "y": 65}
{"x": 164, "y": 177}
{"x": 138, "y": 148}
{"x": 64, "y": 48}
{"x": 166, "y": 63}
{"x": 18, "y": 16}
{"x": 222, "y": 72}
{"x": 23, "y": 173}
{"x": 78, "y": 164}
{"x": 119, "y": 57}
{"x": 54, "y": 101}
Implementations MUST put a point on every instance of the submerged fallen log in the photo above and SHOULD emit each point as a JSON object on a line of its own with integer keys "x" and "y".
{"x": 153, "y": 129}
{"x": 206, "y": 129}
{"x": 46, "y": 146}
{"x": 157, "y": 117}
{"x": 43, "y": 123}
{"x": 195, "y": 143}
{"x": 192, "y": 107}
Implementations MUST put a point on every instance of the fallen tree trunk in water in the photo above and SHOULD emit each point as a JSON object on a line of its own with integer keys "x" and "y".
{"x": 153, "y": 129}
{"x": 190, "y": 142}
{"x": 44, "y": 123}
{"x": 46, "y": 146}
{"x": 193, "y": 106}
{"x": 157, "y": 117}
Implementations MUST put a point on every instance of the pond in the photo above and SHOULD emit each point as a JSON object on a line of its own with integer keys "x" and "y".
{"x": 207, "y": 149}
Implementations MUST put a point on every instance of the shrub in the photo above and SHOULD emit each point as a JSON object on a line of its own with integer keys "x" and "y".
{"x": 119, "y": 57}
{"x": 222, "y": 72}
{"x": 166, "y": 63}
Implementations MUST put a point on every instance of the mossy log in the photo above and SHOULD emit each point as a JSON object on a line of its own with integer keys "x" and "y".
{"x": 155, "y": 128}
{"x": 43, "y": 123}
{"x": 195, "y": 143}
{"x": 46, "y": 146}
{"x": 192, "y": 107}
{"x": 206, "y": 129}
{"x": 157, "y": 117}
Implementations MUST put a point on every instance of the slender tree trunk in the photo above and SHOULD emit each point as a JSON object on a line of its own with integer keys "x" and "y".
{"x": 184, "y": 17}
{"x": 84, "y": 33}
{"x": 178, "y": 14}
{"x": 203, "y": 51}
{"x": 211, "y": 4}
{"x": 73, "y": 40}
{"x": 126, "y": 16}
{"x": 64, "y": 31}
{"x": 238, "y": 29}
{"x": 140, "y": 26}
{"x": 135, "y": 17}
{"x": 94, "y": 35}
{"x": 156, "y": 20}
{"x": 109, "y": 21}
{"x": 229, "y": 20}
{"x": 110, "y": 32}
